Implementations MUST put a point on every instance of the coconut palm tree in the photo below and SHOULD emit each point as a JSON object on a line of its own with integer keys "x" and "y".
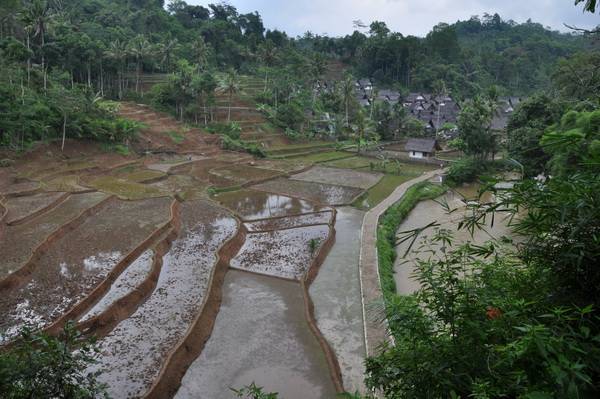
{"x": 230, "y": 85}
{"x": 36, "y": 16}
{"x": 268, "y": 55}
{"x": 140, "y": 48}
{"x": 117, "y": 51}
{"x": 347, "y": 89}
{"x": 166, "y": 50}
{"x": 201, "y": 50}
{"x": 317, "y": 70}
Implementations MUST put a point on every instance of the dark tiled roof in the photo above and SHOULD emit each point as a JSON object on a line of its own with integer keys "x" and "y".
{"x": 421, "y": 145}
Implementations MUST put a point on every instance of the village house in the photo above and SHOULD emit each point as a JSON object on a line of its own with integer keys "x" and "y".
{"x": 421, "y": 148}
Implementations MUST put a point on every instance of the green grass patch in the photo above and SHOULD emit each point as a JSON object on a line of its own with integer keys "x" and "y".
{"x": 386, "y": 235}
{"x": 218, "y": 190}
{"x": 125, "y": 189}
{"x": 383, "y": 189}
{"x": 291, "y": 149}
{"x": 141, "y": 175}
{"x": 319, "y": 157}
{"x": 175, "y": 136}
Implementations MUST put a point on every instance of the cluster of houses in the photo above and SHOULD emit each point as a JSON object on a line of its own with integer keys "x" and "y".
{"x": 438, "y": 113}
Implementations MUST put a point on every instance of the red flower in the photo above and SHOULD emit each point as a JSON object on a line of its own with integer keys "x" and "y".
{"x": 493, "y": 313}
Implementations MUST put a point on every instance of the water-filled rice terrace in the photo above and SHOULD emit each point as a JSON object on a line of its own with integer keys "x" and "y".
{"x": 192, "y": 266}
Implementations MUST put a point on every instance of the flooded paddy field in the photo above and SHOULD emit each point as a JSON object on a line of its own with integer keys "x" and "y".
{"x": 347, "y": 177}
{"x": 260, "y": 336}
{"x": 281, "y": 253}
{"x": 324, "y": 194}
{"x": 336, "y": 295}
{"x": 288, "y": 222}
{"x": 129, "y": 280}
{"x": 429, "y": 211}
{"x": 241, "y": 174}
{"x": 138, "y": 259}
{"x": 251, "y": 204}
{"x": 18, "y": 242}
{"x": 20, "y": 208}
{"x": 73, "y": 265}
{"x": 134, "y": 352}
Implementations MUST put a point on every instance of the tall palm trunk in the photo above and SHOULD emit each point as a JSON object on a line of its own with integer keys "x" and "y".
{"x": 347, "y": 114}
{"x": 44, "y": 61}
{"x": 229, "y": 110}
{"x": 64, "y": 135}
{"x": 28, "y": 60}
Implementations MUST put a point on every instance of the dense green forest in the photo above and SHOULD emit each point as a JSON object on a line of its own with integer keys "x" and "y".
{"x": 84, "y": 52}
{"x": 467, "y": 55}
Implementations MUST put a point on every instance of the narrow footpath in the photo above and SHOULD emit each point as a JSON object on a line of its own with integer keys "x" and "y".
{"x": 375, "y": 329}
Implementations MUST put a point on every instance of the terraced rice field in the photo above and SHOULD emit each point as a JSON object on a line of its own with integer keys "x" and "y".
{"x": 320, "y": 193}
{"x": 197, "y": 269}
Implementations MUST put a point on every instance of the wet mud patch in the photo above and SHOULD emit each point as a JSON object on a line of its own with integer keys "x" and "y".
{"x": 20, "y": 189}
{"x": 284, "y": 358}
{"x": 429, "y": 211}
{"x": 186, "y": 187}
{"x": 128, "y": 281}
{"x": 76, "y": 263}
{"x": 242, "y": 174}
{"x": 20, "y": 208}
{"x": 19, "y": 242}
{"x": 288, "y": 222}
{"x": 251, "y": 204}
{"x": 344, "y": 177}
{"x": 124, "y": 189}
{"x": 325, "y": 194}
{"x": 200, "y": 169}
{"x": 133, "y": 353}
{"x": 281, "y": 253}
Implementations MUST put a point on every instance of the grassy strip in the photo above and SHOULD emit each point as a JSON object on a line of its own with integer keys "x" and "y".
{"x": 387, "y": 227}
{"x": 317, "y": 157}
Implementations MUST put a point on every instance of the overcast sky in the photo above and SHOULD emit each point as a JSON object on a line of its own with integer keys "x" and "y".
{"x": 414, "y": 17}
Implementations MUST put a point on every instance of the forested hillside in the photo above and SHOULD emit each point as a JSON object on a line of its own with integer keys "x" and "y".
{"x": 468, "y": 55}
{"x": 62, "y": 59}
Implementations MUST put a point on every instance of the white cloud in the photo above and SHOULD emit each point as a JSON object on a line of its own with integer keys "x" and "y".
{"x": 415, "y": 17}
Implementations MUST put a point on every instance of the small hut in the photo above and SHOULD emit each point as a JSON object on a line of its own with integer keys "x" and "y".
{"x": 421, "y": 148}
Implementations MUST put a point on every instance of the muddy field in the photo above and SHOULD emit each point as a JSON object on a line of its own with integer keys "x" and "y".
{"x": 80, "y": 260}
{"x": 133, "y": 353}
{"x": 346, "y": 177}
{"x": 281, "y": 253}
{"x": 139, "y": 249}
{"x": 324, "y": 194}
{"x": 429, "y": 211}
{"x": 251, "y": 204}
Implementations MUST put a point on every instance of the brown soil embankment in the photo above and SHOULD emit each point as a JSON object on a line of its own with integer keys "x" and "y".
{"x": 103, "y": 287}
